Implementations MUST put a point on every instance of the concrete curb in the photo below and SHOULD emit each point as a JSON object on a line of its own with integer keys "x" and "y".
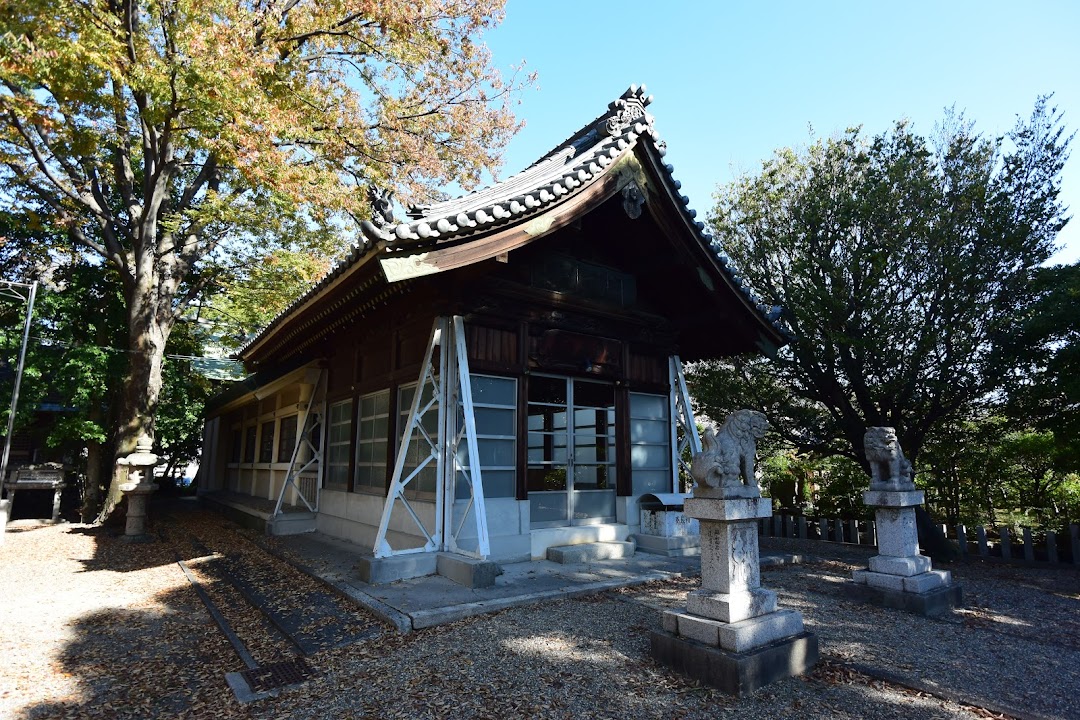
{"x": 453, "y": 613}
{"x": 387, "y": 613}
{"x": 405, "y": 622}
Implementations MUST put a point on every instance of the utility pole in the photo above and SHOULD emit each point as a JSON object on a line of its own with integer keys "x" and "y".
{"x": 24, "y": 293}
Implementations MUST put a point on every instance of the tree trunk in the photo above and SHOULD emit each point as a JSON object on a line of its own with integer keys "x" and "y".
{"x": 91, "y": 498}
{"x": 149, "y": 328}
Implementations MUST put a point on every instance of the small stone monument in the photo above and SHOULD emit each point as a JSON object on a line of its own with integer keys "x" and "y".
{"x": 139, "y": 487}
{"x": 731, "y": 634}
{"x": 899, "y": 577}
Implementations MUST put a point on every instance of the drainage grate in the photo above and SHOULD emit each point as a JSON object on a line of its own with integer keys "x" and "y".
{"x": 277, "y": 675}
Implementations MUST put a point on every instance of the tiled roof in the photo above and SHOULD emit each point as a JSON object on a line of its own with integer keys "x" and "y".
{"x": 581, "y": 160}
{"x": 565, "y": 171}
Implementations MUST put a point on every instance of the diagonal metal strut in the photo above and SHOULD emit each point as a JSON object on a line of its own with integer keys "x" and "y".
{"x": 452, "y": 394}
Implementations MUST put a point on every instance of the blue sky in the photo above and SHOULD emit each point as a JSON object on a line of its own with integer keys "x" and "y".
{"x": 734, "y": 81}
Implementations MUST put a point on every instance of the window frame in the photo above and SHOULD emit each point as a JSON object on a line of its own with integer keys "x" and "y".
{"x": 330, "y": 445}
{"x": 251, "y": 442}
{"x": 512, "y": 435}
{"x": 412, "y": 490}
{"x": 285, "y": 451}
{"x": 665, "y": 444}
{"x": 365, "y": 487}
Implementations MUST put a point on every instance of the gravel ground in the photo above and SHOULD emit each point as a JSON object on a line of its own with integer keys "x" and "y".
{"x": 98, "y": 628}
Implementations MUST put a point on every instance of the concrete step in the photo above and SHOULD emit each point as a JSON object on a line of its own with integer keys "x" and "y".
{"x": 293, "y": 523}
{"x": 683, "y": 546}
{"x": 588, "y": 552}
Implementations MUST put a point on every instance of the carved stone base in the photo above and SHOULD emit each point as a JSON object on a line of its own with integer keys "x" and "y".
{"x": 876, "y": 497}
{"x": 731, "y": 607}
{"x": 906, "y": 566}
{"x": 741, "y": 636}
{"x": 137, "y": 498}
{"x": 921, "y": 583}
{"x": 931, "y": 603}
{"x": 736, "y": 673}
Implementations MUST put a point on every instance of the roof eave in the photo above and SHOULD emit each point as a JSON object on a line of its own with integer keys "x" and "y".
{"x": 771, "y": 332}
{"x": 328, "y": 284}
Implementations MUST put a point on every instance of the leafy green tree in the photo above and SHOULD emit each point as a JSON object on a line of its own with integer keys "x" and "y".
{"x": 253, "y": 294}
{"x": 898, "y": 259}
{"x": 184, "y": 394}
{"x": 964, "y": 467}
{"x": 1037, "y": 476}
{"x": 166, "y": 137}
{"x": 77, "y": 352}
{"x": 1042, "y": 357}
{"x": 80, "y": 354}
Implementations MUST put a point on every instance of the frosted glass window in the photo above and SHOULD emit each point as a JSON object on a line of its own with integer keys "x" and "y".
{"x": 424, "y": 484}
{"x": 495, "y": 391}
{"x": 495, "y": 413}
{"x": 650, "y": 444}
{"x": 372, "y": 436}
{"x": 339, "y": 436}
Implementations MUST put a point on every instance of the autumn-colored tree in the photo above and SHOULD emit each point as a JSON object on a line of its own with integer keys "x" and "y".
{"x": 163, "y": 135}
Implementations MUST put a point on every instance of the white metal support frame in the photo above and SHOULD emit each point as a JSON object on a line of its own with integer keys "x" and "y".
{"x": 465, "y": 419}
{"x": 313, "y": 426}
{"x": 451, "y": 398}
{"x": 682, "y": 418}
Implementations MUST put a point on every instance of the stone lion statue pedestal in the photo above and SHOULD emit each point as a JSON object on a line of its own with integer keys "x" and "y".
{"x": 731, "y": 635}
{"x": 898, "y": 576}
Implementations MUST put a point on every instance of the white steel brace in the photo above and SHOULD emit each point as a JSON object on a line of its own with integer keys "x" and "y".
{"x": 684, "y": 435}
{"x": 308, "y": 436}
{"x": 451, "y": 398}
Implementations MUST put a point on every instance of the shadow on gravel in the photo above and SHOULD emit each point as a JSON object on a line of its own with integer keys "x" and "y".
{"x": 112, "y": 554}
{"x": 164, "y": 660}
{"x": 158, "y": 653}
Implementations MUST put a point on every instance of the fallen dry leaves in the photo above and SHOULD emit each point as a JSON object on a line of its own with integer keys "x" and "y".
{"x": 100, "y": 628}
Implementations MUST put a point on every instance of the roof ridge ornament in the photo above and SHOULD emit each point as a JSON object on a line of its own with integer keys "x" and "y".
{"x": 627, "y": 110}
{"x": 382, "y": 206}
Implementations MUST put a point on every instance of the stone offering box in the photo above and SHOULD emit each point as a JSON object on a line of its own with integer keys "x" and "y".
{"x": 665, "y": 527}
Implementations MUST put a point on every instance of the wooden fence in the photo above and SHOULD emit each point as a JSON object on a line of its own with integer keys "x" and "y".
{"x": 1001, "y": 544}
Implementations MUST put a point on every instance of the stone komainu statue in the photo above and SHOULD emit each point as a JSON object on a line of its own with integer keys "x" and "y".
{"x": 889, "y": 469}
{"x": 727, "y": 456}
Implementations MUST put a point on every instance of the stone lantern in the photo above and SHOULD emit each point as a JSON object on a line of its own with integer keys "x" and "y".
{"x": 139, "y": 487}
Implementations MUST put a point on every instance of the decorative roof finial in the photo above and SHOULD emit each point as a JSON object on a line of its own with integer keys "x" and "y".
{"x": 382, "y": 206}
{"x": 627, "y": 110}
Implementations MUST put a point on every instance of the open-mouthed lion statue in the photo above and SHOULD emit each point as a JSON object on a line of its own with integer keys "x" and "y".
{"x": 889, "y": 469}
{"x": 727, "y": 456}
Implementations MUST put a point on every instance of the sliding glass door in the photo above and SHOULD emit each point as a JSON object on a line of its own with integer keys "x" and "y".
{"x": 571, "y": 451}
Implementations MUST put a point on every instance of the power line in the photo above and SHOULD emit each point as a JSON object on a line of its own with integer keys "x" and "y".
{"x": 49, "y": 342}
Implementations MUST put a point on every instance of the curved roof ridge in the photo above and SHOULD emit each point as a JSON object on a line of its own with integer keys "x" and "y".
{"x": 478, "y": 198}
{"x": 571, "y": 166}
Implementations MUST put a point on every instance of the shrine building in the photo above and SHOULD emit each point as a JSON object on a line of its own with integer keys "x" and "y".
{"x": 496, "y": 374}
